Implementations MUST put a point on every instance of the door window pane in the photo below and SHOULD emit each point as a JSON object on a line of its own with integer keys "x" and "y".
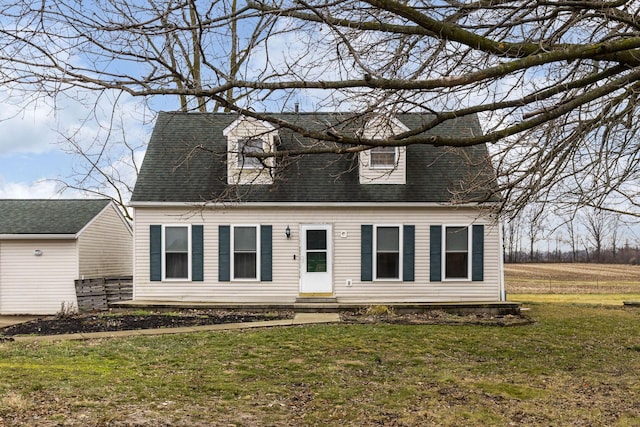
{"x": 316, "y": 239}
{"x": 316, "y": 262}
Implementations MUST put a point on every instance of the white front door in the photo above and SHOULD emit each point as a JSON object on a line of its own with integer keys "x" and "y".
{"x": 316, "y": 259}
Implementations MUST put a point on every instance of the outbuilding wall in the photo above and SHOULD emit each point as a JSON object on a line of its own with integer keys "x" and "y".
{"x": 105, "y": 246}
{"x": 31, "y": 284}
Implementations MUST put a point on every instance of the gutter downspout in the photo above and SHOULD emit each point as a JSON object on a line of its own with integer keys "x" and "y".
{"x": 503, "y": 291}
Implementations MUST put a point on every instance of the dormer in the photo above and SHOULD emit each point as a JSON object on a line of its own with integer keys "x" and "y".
{"x": 383, "y": 165}
{"x": 248, "y": 135}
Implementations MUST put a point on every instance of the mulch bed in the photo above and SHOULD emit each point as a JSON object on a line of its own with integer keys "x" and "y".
{"x": 435, "y": 317}
{"x": 122, "y": 321}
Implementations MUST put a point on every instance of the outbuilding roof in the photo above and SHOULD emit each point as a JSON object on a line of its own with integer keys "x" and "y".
{"x": 56, "y": 216}
{"x": 185, "y": 162}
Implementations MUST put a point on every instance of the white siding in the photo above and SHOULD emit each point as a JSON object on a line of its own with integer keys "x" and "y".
{"x": 32, "y": 284}
{"x": 346, "y": 224}
{"x": 380, "y": 128}
{"x": 371, "y": 175}
{"x": 247, "y": 127}
{"x": 106, "y": 246}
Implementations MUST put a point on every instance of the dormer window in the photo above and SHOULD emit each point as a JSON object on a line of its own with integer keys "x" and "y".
{"x": 383, "y": 164}
{"x": 382, "y": 157}
{"x": 247, "y": 136}
{"x": 246, "y": 146}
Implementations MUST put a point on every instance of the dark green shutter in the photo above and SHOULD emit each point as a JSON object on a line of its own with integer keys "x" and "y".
{"x": 408, "y": 253}
{"x": 266, "y": 253}
{"x": 435, "y": 253}
{"x": 366, "y": 253}
{"x": 224, "y": 253}
{"x": 155, "y": 253}
{"x": 197, "y": 253}
{"x": 477, "y": 253}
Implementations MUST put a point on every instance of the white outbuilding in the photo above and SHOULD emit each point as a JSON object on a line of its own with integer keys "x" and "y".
{"x": 45, "y": 245}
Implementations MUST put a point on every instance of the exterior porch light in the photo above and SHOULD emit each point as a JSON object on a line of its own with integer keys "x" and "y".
{"x": 287, "y": 232}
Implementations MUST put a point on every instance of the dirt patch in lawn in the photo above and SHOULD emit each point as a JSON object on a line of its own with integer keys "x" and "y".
{"x": 433, "y": 317}
{"x": 122, "y": 321}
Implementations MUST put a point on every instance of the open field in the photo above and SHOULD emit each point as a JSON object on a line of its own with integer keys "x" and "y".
{"x": 572, "y": 278}
{"x": 576, "y": 365}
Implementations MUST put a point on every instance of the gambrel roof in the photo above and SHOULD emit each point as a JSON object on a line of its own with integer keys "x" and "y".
{"x": 41, "y": 217}
{"x": 185, "y": 162}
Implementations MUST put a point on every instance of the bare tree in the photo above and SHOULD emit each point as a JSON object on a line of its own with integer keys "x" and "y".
{"x": 513, "y": 238}
{"x": 64, "y": 48}
{"x": 573, "y": 237}
{"x": 598, "y": 224}
{"x": 535, "y": 222}
{"x": 555, "y": 82}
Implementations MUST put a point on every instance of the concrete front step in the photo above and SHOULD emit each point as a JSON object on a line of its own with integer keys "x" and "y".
{"x": 316, "y": 300}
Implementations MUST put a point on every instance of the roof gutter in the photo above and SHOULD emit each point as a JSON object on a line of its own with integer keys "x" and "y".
{"x": 223, "y": 205}
{"x": 38, "y": 236}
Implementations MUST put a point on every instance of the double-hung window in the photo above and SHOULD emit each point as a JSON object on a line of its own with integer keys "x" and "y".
{"x": 248, "y": 146}
{"x": 245, "y": 252}
{"x": 456, "y": 253}
{"x": 387, "y": 252}
{"x": 176, "y": 259}
{"x": 456, "y": 248}
{"x": 382, "y": 157}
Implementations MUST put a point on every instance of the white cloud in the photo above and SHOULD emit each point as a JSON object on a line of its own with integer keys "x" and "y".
{"x": 26, "y": 129}
{"x": 41, "y": 189}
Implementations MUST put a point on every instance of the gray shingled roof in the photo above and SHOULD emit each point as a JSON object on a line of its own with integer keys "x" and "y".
{"x": 48, "y": 216}
{"x": 185, "y": 162}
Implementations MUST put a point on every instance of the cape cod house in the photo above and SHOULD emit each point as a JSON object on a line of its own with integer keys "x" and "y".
{"x": 45, "y": 245}
{"x": 386, "y": 225}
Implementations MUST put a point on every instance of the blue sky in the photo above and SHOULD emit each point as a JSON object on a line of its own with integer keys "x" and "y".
{"x": 32, "y": 150}
{"x": 30, "y": 156}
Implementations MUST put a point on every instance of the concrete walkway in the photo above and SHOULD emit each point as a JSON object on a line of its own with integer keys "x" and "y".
{"x": 14, "y": 320}
{"x": 299, "y": 319}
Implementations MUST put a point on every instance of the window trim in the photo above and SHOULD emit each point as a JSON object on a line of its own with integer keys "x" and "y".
{"x": 375, "y": 253}
{"x": 233, "y": 253}
{"x": 385, "y": 166}
{"x": 164, "y": 253}
{"x": 246, "y": 162}
{"x": 444, "y": 277}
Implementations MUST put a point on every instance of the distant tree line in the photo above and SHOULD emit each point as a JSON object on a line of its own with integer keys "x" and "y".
{"x": 589, "y": 234}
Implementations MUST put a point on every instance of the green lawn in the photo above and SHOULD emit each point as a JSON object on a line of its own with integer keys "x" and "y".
{"x": 596, "y": 299}
{"x": 576, "y": 365}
